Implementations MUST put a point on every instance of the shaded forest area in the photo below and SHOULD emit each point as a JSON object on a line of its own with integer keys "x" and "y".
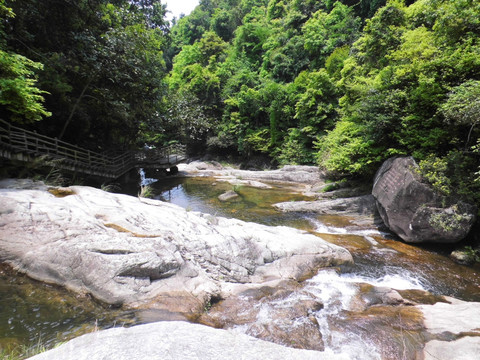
{"x": 343, "y": 84}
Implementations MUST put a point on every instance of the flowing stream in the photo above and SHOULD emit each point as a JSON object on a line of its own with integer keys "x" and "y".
{"x": 34, "y": 312}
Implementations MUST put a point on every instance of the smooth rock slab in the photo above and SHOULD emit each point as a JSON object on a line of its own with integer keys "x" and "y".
{"x": 174, "y": 341}
{"x": 361, "y": 205}
{"x": 454, "y": 329}
{"x": 298, "y": 174}
{"x": 126, "y": 250}
{"x": 456, "y": 318}
{"x": 467, "y": 348}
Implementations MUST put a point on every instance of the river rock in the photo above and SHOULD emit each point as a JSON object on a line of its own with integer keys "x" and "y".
{"x": 297, "y": 174}
{"x": 465, "y": 348}
{"x": 361, "y": 205}
{"x": 290, "y": 322}
{"x": 465, "y": 256}
{"x": 414, "y": 210}
{"x": 127, "y": 250}
{"x": 173, "y": 341}
{"x": 196, "y": 165}
{"x": 454, "y": 330}
{"x": 249, "y": 183}
{"x": 289, "y": 173}
{"x": 229, "y": 195}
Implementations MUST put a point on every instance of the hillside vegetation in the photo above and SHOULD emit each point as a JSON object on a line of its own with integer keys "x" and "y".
{"x": 342, "y": 84}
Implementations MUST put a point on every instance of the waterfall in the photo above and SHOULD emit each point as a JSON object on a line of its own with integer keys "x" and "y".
{"x": 144, "y": 181}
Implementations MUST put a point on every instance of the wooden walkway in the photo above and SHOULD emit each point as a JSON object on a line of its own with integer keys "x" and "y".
{"x": 23, "y": 145}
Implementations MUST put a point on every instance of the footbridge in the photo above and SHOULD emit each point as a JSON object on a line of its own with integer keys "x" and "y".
{"x": 22, "y": 145}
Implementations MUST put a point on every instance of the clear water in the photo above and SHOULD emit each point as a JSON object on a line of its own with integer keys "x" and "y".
{"x": 252, "y": 204}
{"x": 32, "y": 312}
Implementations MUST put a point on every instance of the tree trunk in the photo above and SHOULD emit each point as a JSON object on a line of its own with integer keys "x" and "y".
{"x": 74, "y": 109}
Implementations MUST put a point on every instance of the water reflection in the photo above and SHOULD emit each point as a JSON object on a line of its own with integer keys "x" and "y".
{"x": 252, "y": 204}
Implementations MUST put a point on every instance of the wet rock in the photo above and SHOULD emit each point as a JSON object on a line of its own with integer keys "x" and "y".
{"x": 465, "y": 256}
{"x": 172, "y": 341}
{"x": 413, "y": 210}
{"x": 344, "y": 193}
{"x": 370, "y": 295}
{"x": 61, "y": 191}
{"x": 229, "y": 195}
{"x": 377, "y": 295}
{"x": 416, "y": 297}
{"x": 126, "y": 250}
{"x": 155, "y": 315}
{"x": 362, "y": 205}
{"x": 275, "y": 314}
{"x": 22, "y": 184}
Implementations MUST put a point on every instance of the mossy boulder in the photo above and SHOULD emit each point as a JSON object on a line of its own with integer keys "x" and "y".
{"x": 415, "y": 211}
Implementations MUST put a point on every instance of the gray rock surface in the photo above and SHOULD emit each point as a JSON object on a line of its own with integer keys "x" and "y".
{"x": 229, "y": 195}
{"x": 465, "y": 256}
{"x": 362, "y": 205}
{"x": 466, "y": 348}
{"x": 455, "y": 318}
{"x": 174, "y": 341}
{"x": 454, "y": 330}
{"x": 249, "y": 183}
{"x": 126, "y": 250}
{"x": 413, "y": 210}
{"x": 288, "y": 174}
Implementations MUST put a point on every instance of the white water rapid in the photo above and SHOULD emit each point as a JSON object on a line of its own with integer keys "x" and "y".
{"x": 336, "y": 292}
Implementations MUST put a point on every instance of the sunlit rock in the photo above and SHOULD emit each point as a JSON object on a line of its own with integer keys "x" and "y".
{"x": 229, "y": 195}
{"x": 126, "y": 250}
{"x": 290, "y": 321}
{"x": 414, "y": 210}
{"x": 173, "y": 341}
{"x": 453, "y": 330}
{"x": 297, "y": 174}
{"x": 361, "y": 205}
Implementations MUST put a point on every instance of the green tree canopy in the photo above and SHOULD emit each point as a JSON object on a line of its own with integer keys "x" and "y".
{"x": 21, "y": 100}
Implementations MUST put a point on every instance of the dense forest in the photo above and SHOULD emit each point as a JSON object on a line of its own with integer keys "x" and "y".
{"x": 343, "y": 84}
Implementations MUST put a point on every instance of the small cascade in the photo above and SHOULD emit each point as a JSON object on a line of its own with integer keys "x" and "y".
{"x": 144, "y": 181}
{"x": 322, "y": 228}
{"x": 336, "y": 292}
{"x": 389, "y": 276}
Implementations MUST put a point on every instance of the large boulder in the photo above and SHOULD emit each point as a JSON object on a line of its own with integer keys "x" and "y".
{"x": 173, "y": 341}
{"x": 126, "y": 250}
{"x": 414, "y": 210}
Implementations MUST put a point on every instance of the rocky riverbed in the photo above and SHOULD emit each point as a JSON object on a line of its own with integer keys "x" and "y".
{"x": 127, "y": 250}
{"x": 269, "y": 282}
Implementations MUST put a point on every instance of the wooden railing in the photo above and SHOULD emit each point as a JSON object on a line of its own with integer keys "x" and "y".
{"x": 25, "y": 145}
